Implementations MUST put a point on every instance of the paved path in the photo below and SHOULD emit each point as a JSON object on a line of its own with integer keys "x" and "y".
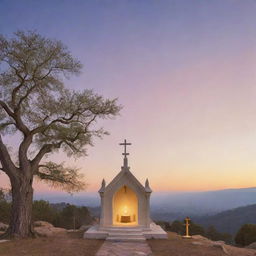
{"x": 124, "y": 249}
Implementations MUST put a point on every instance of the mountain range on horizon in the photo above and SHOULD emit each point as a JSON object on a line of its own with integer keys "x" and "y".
{"x": 168, "y": 203}
{"x": 231, "y": 220}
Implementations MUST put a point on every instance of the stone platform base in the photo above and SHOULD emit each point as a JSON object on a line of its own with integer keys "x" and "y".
{"x": 125, "y": 234}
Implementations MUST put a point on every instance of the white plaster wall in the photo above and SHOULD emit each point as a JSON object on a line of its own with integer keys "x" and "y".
{"x": 107, "y": 204}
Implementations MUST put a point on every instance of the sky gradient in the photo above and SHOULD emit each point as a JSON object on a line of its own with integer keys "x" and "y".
{"x": 185, "y": 73}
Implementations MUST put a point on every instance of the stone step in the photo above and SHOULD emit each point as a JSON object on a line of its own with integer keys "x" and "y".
{"x": 134, "y": 235}
{"x": 126, "y": 238}
{"x": 122, "y": 234}
{"x": 113, "y": 229}
{"x": 125, "y": 232}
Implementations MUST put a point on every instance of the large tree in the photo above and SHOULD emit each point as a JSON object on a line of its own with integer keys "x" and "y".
{"x": 44, "y": 117}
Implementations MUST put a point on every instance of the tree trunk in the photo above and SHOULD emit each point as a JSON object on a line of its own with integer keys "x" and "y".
{"x": 21, "y": 211}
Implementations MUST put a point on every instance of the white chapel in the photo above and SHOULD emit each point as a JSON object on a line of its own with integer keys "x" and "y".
{"x": 125, "y": 209}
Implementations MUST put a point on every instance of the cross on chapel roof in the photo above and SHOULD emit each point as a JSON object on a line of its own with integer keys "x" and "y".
{"x": 125, "y": 144}
{"x": 125, "y": 153}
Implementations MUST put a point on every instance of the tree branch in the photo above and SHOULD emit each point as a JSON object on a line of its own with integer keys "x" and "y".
{"x": 16, "y": 89}
{"x": 16, "y": 117}
{"x": 44, "y": 150}
{"x": 23, "y": 158}
{"x": 25, "y": 96}
{"x": 57, "y": 175}
{"x": 7, "y": 109}
{"x": 7, "y": 164}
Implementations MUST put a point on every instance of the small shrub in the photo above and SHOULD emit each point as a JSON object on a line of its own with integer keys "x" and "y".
{"x": 246, "y": 235}
{"x": 42, "y": 210}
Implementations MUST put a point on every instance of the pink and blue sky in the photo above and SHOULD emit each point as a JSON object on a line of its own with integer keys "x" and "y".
{"x": 185, "y": 73}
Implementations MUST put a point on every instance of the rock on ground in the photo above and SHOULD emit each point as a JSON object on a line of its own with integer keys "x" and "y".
{"x": 221, "y": 246}
{"x": 43, "y": 228}
{"x": 225, "y": 248}
{"x": 41, "y": 223}
{"x": 3, "y": 226}
{"x": 199, "y": 237}
{"x": 252, "y": 246}
{"x": 197, "y": 243}
{"x": 84, "y": 227}
{"x": 3, "y": 241}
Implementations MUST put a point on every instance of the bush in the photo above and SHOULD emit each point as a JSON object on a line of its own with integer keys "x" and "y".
{"x": 179, "y": 227}
{"x": 42, "y": 210}
{"x": 214, "y": 235}
{"x": 196, "y": 229}
{"x": 73, "y": 217}
{"x": 5, "y": 206}
{"x": 246, "y": 235}
{"x": 164, "y": 225}
{"x": 67, "y": 216}
{"x": 5, "y": 209}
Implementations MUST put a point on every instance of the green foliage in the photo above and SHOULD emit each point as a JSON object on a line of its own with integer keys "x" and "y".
{"x": 56, "y": 175}
{"x": 163, "y": 224}
{"x": 246, "y": 235}
{"x": 231, "y": 220}
{"x": 214, "y": 235}
{"x": 35, "y": 103}
{"x": 69, "y": 217}
{"x": 195, "y": 229}
{"x": 5, "y": 206}
{"x": 73, "y": 217}
{"x": 42, "y": 210}
{"x": 177, "y": 227}
{"x": 2, "y": 195}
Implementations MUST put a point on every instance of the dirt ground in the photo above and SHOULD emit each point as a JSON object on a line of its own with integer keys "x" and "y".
{"x": 177, "y": 246}
{"x": 70, "y": 244}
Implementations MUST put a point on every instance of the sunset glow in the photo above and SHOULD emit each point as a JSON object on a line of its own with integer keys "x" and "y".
{"x": 185, "y": 74}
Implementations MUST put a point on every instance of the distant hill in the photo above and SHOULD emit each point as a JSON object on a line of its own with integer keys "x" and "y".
{"x": 168, "y": 205}
{"x": 230, "y": 221}
{"x": 91, "y": 199}
{"x": 59, "y": 206}
{"x": 171, "y": 205}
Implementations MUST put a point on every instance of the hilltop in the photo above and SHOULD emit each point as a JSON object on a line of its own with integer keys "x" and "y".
{"x": 73, "y": 244}
{"x": 231, "y": 220}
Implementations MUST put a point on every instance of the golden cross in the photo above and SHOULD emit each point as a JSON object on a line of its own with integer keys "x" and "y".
{"x": 187, "y": 224}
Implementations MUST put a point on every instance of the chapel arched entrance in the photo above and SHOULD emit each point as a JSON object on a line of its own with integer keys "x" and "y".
{"x": 125, "y": 207}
